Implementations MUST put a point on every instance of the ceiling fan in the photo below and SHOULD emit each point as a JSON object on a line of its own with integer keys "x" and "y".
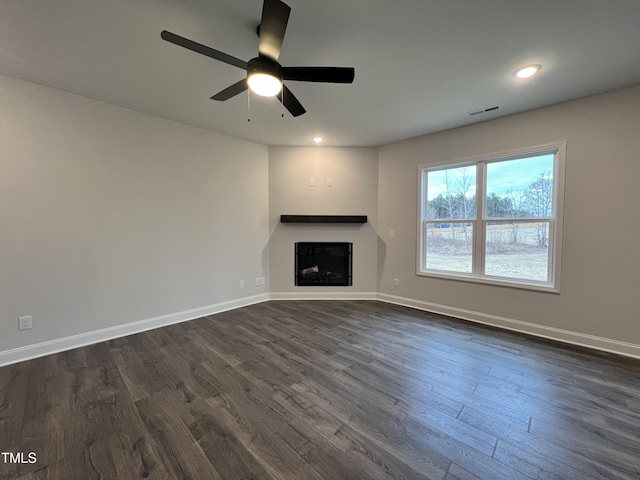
{"x": 264, "y": 74}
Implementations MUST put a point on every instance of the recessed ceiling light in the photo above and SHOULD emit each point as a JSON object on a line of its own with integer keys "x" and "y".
{"x": 528, "y": 71}
{"x": 318, "y": 139}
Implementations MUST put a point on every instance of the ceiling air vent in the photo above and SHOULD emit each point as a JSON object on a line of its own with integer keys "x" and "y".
{"x": 483, "y": 110}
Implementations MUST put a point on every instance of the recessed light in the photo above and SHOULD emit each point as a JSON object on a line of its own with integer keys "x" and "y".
{"x": 318, "y": 139}
{"x": 528, "y": 71}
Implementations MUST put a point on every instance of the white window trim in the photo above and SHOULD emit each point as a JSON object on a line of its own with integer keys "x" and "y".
{"x": 555, "y": 233}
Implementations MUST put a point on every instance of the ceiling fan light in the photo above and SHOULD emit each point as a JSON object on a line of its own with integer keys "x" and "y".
{"x": 264, "y": 84}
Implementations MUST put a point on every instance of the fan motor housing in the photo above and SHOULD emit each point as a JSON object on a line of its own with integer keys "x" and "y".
{"x": 264, "y": 65}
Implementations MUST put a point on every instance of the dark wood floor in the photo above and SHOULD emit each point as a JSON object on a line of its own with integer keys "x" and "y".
{"x": 323, "y": 390}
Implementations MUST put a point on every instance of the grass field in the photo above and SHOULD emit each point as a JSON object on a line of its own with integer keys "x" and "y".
{"x": 449, "y": 249}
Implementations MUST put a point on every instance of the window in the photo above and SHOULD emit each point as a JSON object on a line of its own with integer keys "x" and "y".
{"x": 495, "y": 219}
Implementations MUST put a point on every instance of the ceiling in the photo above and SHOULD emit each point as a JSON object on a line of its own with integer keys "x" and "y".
{"x": 421, "y": 65}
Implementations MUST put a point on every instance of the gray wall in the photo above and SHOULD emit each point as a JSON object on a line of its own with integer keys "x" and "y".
{"x": 109, "y": 216}
{"x": 354, "y": 191}
{"x": 601, "y": 257}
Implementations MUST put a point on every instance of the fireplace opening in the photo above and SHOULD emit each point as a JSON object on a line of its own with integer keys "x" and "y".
{"x": 323, "y": 264}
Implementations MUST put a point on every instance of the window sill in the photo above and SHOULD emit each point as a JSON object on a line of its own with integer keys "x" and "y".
{"x": 496, "y": 281}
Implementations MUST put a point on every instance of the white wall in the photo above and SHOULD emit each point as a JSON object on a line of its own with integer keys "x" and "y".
{"x": 601, "y": 250}
{"x": 110, "y": 216}
{"x": 354, "y": 191}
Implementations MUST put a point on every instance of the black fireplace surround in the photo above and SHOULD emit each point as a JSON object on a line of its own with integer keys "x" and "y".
{"x": 323, "y": 264}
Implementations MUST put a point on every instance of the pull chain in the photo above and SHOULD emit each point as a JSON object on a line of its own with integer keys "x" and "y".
{"x": 249, "y": 104}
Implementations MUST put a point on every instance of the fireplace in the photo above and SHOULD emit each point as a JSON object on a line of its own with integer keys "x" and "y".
{"x": 323, "y": 264}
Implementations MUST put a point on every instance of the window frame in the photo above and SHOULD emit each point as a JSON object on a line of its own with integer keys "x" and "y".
{"x": 480, "y": 222}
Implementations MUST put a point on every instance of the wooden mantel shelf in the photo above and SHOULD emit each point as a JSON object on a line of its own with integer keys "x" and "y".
{"x": 323, "y": 218}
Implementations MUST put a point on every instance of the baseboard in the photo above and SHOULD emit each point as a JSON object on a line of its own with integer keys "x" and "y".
{"x": 324, "y": 296}
{"x": 29, "y": 352}
{"x": 551, "y": 333}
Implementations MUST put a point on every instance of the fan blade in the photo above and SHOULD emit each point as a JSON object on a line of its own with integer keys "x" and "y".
{"x": 202, "y": 49}
{"x": 290, "y": 102}
{"x": 319, "y": 74}
{"x": 275, "y": 15}
{"x": 231, "y": 91}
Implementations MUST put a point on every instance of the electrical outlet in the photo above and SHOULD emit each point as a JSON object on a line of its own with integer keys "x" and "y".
{"x": 241, "y": 284}
{"x": 25, "y": 323}
{"x": 261, "y": 280}
{"x": 392, "y": 234}
{"x": 257, "y": 281}
{"x": 329, "y": 182}
{"x": 396, "y": 282}
{"x": 312, "y": 182}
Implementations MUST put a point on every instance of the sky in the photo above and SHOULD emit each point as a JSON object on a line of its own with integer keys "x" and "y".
{"x": 501, "y": 176}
